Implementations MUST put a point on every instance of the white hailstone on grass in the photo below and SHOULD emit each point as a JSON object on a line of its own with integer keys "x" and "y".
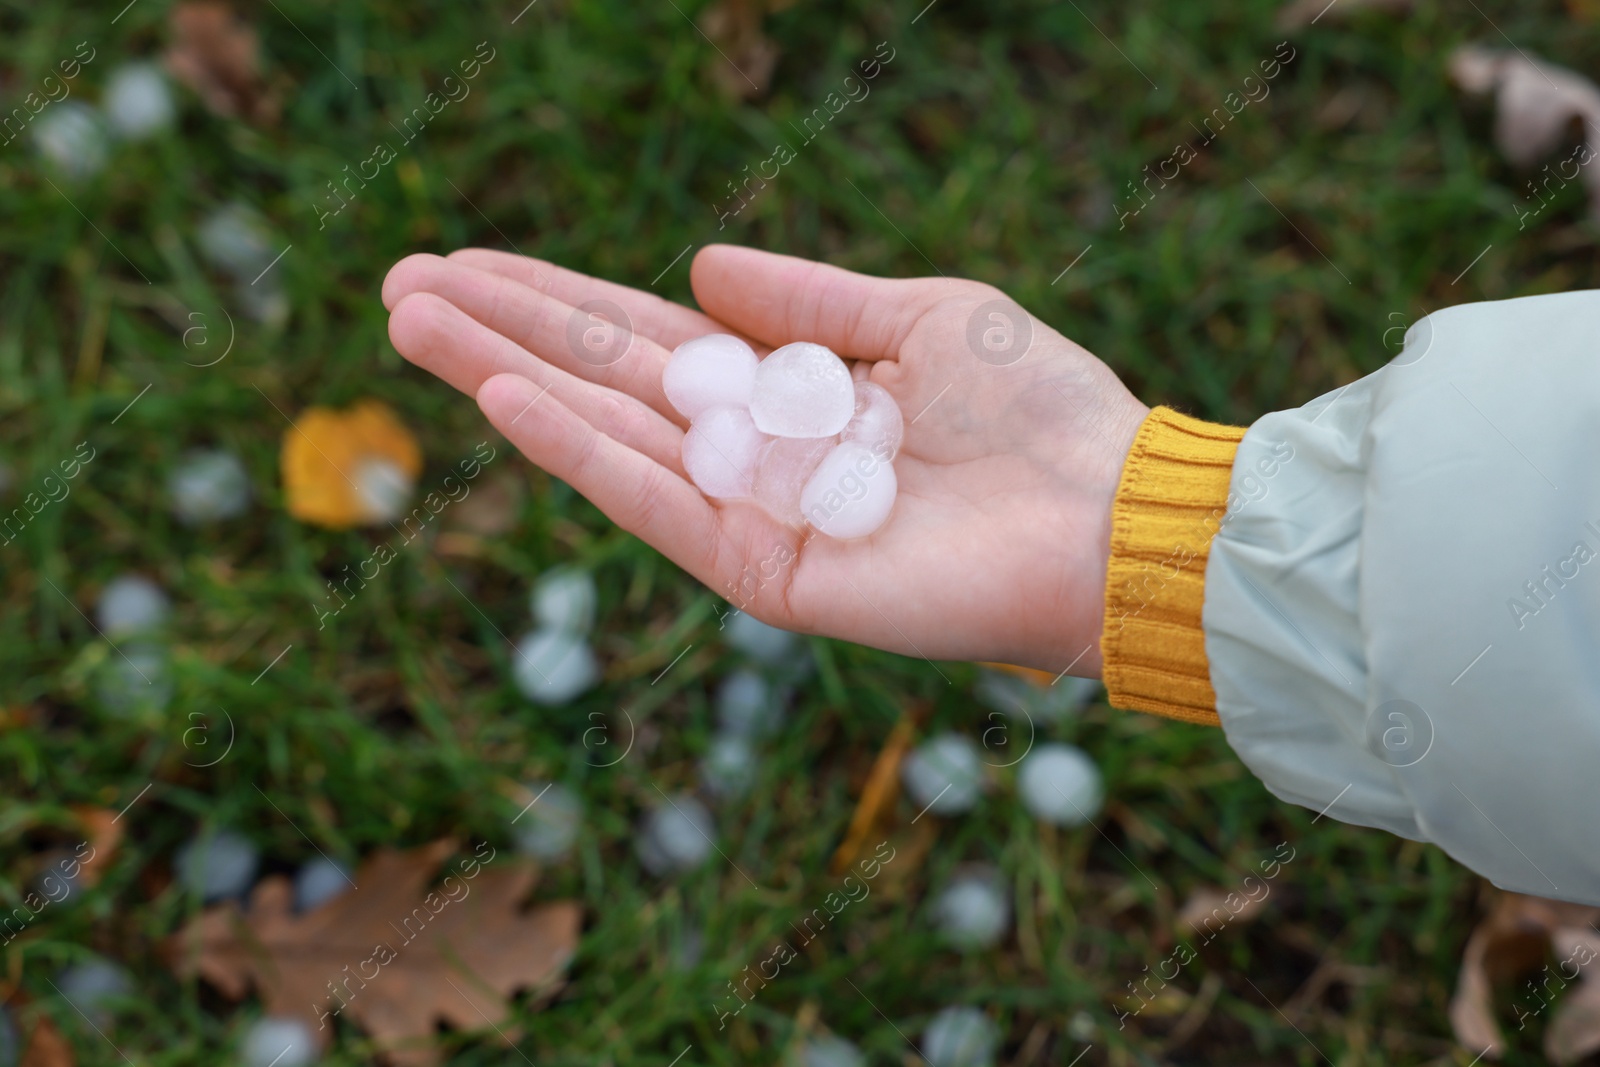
{"x": 720, "y": 452}
{"x": 234, "y": 239}
{"x": 548, "y": 829}
{"x": 765, "y": 644}
{"x": 564, "y": 599}
{"x": 93, "y": 987}
{"x": 802, "y": 390}
{"x": 1081, "y": 1027}
{"x": 746, "y": 706}
{"x": 138, "y": 101}
{"x": 877, "y": 423}
{"x": 263, "y": 301}
{"x": 1060, "y": 784}
{"x": 944, "y": 775}
{"x": 553, "y": 666}
{"x": 217, "y": 864}
{"x": 729, "y": 765}
{"x": 960, "y": 1037}
{"x": 851, "y": 492}
{"x": 676, "y": 835}
{"x": 713, "y": 371}
{"x": 208, "y": 485}
{"x": 319, "y": 881}
{"x": 278, "y": 1041}
{"x": 71, "y": 136}
{"x": 826, "y": 1050}
{"x": 972, "y": 911}
{"x": 130, "y": 604}
{"x": 382, "y": 487}
{"x": 135, "y": 678}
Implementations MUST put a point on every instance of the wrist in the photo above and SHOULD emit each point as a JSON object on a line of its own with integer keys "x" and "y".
{"x": 1171, "y": 499}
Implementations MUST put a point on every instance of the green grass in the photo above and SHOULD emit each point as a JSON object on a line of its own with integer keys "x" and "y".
{"x": 991, "y": 147}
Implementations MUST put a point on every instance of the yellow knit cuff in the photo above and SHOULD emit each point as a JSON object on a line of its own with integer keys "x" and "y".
{"x": 1170, "y": 502}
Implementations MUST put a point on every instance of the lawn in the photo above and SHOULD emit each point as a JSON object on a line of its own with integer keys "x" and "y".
{"x": 1003, "y": 141}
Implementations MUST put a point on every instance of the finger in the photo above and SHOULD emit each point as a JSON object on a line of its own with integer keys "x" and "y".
{"x": 666, "y": 323}
{"x": 637, "y": 493}
{"x": 778, "y": 299}
{"x": 443, "y": 340}
{"x": 595, "y": 349}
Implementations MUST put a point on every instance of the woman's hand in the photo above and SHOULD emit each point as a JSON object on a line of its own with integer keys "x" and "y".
{"x": 1015, "y": 438}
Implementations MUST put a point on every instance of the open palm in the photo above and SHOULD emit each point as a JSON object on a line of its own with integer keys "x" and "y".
{"x": 996, "y": 548}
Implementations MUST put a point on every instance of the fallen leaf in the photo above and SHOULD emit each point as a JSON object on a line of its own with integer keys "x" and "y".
{"x": 347, "y": 468}
{"x": 1302, "y": 13}
{"x": 911, "y": 847}
{"x": 491, "y": 507}
{"x": 1212, "y": 904}
{"x": 1574, "y": 1029}
{"x": 1513, "y": 939}
{"x": 16, "y": 717}
{"x": 395, "y": 957}
{"x": 218, "y": 55}
{"x": 877, "y": 796}
{"x": 1538, "y": 106}
{"x": 747, "y": 55}
{"x": 45, "y": 1047}
{"x": 103, "y": 835}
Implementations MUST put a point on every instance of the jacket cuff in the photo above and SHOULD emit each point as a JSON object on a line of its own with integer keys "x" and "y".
{"x": 1170, "y": 502}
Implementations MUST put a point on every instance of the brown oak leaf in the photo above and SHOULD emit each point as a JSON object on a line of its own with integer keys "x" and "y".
{"x": 748, "y": 55}
{"x": 218, "y": 55}
{"x": 393, "y": 955}
{"x": 1513, "y": 940}
{"x": 45, "y": 1047}
{"x": 1538, "y": 106}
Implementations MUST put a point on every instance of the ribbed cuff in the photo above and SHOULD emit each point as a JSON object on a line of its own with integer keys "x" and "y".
{"x": 1171, "y": 500}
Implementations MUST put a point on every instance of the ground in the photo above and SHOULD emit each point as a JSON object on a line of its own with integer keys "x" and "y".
{"x": 999, "y": 143}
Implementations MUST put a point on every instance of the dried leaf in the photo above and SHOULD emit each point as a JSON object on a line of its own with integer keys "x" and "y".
{"x": 491, "y": 507}
{"x": 1574, "y": 1029}
{"x": 1214, "y": 905}
{"x": 103, "y": 836}
{"x": 1511, "y": 940}
{"x": 45, "y": 1047}
{"x": 217, "y": 54}
{"x": 1302, "y": 13}
{"x": 325, "y": 454}
{"x": 877, "y": 796}
{"x": 1537, "y": 104}
{"x": 1537, "y": 107}
{"x": 392, "y": 955}
{"x": 748, "y": 56}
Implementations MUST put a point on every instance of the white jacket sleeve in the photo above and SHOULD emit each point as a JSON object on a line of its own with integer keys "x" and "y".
{"x": 1402, "y": 618}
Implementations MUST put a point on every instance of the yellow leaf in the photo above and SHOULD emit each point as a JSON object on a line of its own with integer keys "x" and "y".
{"x": 348, "y": 468}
